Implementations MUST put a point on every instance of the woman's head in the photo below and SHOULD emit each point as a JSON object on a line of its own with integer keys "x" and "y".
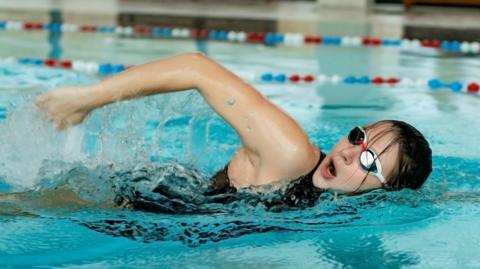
{"x": 402, "y": 152}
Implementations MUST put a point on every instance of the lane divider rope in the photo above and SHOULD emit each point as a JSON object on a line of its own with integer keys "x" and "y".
{"x": 106, "y": 69}
{"x": 269, "y": 38}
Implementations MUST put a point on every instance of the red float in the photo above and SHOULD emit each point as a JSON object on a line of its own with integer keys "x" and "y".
{"x": 32, "y": 26}
{"x": 28, "y": 26}
{"x": 473, "y": 87}
{"x": 50, "y": 62}
{"x": 393, "y": 80}
{"x": 312, "y": 39}
{"x": 199, "y": 33}
{"x": 203, "y": 33}
{"x": 88, "y": 28}
{"x": 430, "y": 43}
{"x": 251, "y": 37}
{"x": 260, "y": 37}
{"x": 426, "y": 43}
{"x": 308, "y": 39}
{"x": 65, "y": 64}
{"x": 194, "y": 33}
{"x": 375, "y": 41}
{"x": 37, "y": 26}
{"x": 435, "y": 44}
{"x": 294, "y": 78}
{"x": 142, "y": 30}
{"x": 378, "y": 80}
{"x": 308, "y": 78}
{"x": 366, "y": 41}
{"x": 255, "y": 37}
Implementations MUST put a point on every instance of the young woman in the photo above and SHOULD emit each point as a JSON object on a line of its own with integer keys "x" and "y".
{"x": 387, "y": 154}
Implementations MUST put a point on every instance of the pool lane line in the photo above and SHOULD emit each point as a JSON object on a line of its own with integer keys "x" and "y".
{"x": 265, "y": 38}
{"x": 106, "y": 69}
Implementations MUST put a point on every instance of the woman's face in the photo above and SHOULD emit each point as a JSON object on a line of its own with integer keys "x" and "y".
{"x": 347, "y": 174}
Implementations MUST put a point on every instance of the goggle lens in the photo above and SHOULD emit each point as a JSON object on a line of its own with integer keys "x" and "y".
{"x": 367, "y": 160}
{"x": 356, "y": 136}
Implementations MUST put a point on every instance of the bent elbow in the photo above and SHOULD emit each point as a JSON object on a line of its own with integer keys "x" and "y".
{"x": 196, "y": 57}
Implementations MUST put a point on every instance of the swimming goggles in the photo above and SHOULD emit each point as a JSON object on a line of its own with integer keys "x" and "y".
{"x": 368, "y": 158}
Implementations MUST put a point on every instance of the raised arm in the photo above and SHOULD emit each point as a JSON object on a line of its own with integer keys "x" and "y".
{"x": 271, "y": 138}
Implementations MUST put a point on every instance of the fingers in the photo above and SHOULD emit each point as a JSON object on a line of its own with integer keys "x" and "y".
{"x": 61, "y": 125}
{"x": 66, "y": 122}
{"x": 42, "y": 99}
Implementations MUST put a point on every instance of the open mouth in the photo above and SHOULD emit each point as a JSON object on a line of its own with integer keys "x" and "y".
{"x": 329, "y": 171}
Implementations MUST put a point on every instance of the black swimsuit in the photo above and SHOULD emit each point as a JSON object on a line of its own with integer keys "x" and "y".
{"x": 176, "y": 195}
{"x": 222, "y": 184}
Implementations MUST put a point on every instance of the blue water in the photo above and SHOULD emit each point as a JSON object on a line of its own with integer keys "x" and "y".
{"x": 431, "y": 228}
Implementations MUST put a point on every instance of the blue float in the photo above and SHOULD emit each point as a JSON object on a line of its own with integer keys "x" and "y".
{"x": 445, "y": 45}
{"x": 327, "y": 40}
{"x": 279, "y": 38}
{"x": 157, "y": 31}
{"x": 281, "y": 78}
{"x": 336, "y": 40}
{"x": 455, "y": 46}
{"x": 101, "y": 29}
{"x": 213, "y": 34}
{"x": 332, "y": 40}
{"x": 106, "y": 29}
{"x": 435, "y": 84}
{"x": 363, "y": 80}
{"x": 117, "y": 68}
{"x": 104, "y": 69}
{"x": 456, "y": 86}
{"x": 267, "y": 77}
{"x": 222, "y": 35}
{"x": 53, "y": 27}
{"x": 23, "y": 61}
{"x": 269, "y": 39}
{"x": 36, "y": 61}
{"x": 391, "y": 43}
{"x": 350, "y": 80}
{"x": 396, "y": 43}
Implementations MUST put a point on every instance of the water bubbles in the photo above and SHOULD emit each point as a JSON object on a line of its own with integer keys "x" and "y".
{"x": 120, "y": 134}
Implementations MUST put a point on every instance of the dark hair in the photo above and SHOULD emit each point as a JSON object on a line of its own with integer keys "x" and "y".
{"x": 414, "y": 160}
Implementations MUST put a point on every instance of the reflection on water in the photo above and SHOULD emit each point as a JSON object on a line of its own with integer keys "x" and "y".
{"x": 354, "y": 249}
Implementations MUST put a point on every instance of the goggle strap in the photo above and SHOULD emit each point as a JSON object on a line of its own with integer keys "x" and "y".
{"x": 364, "y": 145}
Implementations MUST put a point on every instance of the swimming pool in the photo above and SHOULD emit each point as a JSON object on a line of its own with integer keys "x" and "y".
{"x": 433, "y": 228}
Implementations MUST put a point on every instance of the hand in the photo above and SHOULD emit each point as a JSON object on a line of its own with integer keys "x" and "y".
{"x": 66, "y": 106}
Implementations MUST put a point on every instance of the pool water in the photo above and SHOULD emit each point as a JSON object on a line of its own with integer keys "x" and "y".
{"x": 431, "y": 228}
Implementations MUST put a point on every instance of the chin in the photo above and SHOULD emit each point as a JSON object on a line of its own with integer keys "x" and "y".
{"x": 320, "y": 183}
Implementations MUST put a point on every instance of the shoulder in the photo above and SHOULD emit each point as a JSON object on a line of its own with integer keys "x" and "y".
{"x": 300, "y": 163}
{"x": 246, "y": 169}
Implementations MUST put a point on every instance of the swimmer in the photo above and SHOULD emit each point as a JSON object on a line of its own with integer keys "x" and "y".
{"x": 388, "y": 154}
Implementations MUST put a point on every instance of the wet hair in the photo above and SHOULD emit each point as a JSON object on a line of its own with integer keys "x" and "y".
{"x": 414, "y": 159}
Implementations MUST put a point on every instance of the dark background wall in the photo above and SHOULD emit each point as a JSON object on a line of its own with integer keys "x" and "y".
{"x": 388, "y": 1}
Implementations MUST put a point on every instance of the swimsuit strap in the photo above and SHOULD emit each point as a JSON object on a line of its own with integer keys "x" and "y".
{"x": 320, "y": 159}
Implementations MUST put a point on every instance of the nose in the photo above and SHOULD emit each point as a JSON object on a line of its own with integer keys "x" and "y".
{"x": 349, "y": 153}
